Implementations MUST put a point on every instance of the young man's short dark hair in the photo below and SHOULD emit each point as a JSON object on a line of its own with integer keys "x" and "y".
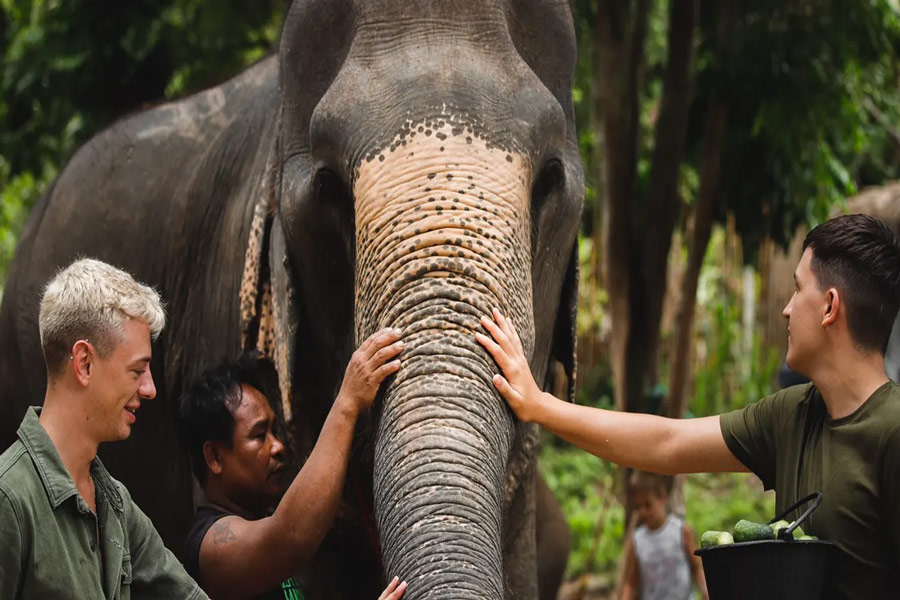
{"x": 860, "y": 255}
{"x": 205, "y": 409}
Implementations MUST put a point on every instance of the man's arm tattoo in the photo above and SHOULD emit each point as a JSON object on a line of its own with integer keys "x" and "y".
{"x": 222, "y": 533}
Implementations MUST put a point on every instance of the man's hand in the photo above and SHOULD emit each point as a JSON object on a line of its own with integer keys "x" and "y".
{"x": 368, "y": 367}
{"x": 645, "y": 442}
{"x": 394, "y": 590}
{"x": 518, "y": 386}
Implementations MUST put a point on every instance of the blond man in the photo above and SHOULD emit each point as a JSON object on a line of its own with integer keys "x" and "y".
{"x": 67, "y": 528}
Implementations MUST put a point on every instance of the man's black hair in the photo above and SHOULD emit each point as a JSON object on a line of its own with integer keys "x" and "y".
{"x": 860, "y": 256}
{"x": 205, "y": 408}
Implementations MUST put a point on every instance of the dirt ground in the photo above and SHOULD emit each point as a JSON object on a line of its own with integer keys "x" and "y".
{"x": 589, "y": 587}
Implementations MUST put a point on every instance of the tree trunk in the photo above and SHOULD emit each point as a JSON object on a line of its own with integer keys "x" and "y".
{"x": 620, "y": 32}
{"x": 661, "y": 208}
{"x": 707, "y": 196}
{"x": 638, "y": 239}
{"x": 714, "y": 134}
{"x": 638, "y": 234}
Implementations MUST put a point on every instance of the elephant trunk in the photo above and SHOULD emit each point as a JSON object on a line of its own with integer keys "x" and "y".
{"x": 442, "y": 237}
{"x": 439, "y": 471}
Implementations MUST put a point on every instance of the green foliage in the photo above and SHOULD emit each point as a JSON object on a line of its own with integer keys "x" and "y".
{"x": 70, "y": 68}
{"x": 585, "y": 487}
{"x": 584, "y": 100}
{"x": 727, "y": 379}
{"x": 17, "y": 194}
{"x": 716, "y": 501}
{"x": 592, "y": 298}
{"x": 811, "y": 89}
{"x": 803, "y": 81}
{"x": 95, "y": 61}
{"x": 726, "y": 376}
{"x": 587, "y": 490}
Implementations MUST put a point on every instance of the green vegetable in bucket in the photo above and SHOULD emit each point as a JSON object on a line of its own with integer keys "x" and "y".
{"x": 781, "y": 525}
{"x": 748, "y": 531}
{"x": 778, "y": 526}
{"x": 715, "y": 538}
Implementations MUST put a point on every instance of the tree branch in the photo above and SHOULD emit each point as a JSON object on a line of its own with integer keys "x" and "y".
{"x": 882, "y": 119}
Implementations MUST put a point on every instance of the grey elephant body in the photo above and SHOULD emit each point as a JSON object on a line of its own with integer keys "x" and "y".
{"x": 142, "y": 196}
{"x": 287, "y": 210}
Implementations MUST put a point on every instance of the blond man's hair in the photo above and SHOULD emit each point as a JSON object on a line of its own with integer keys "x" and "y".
{"x": 91, "y": 300}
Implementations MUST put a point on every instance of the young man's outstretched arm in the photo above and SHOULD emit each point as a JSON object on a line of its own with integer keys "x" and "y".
{"x": 646, "y": 442}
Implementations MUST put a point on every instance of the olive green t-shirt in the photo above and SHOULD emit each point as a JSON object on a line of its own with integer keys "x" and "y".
{"x": 789, "y": 441}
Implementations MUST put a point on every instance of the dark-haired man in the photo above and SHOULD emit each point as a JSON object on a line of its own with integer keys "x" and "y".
{"x": 839, "y": 434}
{"x": 237, "y": 548}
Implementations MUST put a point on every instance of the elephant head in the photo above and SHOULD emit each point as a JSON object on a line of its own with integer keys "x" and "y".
{"x": 427, "y": 170}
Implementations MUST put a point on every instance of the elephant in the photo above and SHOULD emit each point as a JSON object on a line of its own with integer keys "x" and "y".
{"x": 401, "y": 163}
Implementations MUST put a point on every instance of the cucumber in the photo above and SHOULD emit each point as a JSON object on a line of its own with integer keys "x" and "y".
{"x": 778, "y": 526}
{"x": 807, "y": 537}
{"x": 715, "y": 538}
{"x": 748, "y": 531}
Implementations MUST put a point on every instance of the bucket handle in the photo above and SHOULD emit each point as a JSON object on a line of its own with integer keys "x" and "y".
{"x": 816, "y": 498}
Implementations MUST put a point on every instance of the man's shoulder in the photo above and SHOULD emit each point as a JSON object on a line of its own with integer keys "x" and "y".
{"x": 11, "y": 456}
{"x": 796, "y": 394}
{"x": 16, "y": 467}
{"x": 882, "y": 410}
{"x": 892, "y": 405}
{"x": 887, "y": 415}
{"x": 19, "y": 480}
{"x": 204, "y": 518}
{"x": 784, "y": 404}
{"x": 798, "y": 402}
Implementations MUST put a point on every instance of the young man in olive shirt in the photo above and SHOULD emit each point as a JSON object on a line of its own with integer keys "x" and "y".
{"x": 839, "y": 434}
{"x": 68, "y": 529}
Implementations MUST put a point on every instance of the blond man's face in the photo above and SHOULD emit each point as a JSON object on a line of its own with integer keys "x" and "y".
{"x": 121, "y": 381}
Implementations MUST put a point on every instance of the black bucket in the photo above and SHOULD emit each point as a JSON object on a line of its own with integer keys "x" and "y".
{"x": 782, "y": 569}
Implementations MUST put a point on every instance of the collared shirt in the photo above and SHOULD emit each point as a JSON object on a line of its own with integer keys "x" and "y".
{"x": 53, "y": 546}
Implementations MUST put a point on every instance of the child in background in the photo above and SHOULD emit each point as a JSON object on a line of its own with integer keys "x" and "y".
{"x": 660, "y": 560}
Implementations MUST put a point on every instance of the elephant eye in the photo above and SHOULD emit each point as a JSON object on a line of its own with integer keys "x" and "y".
{"x": 549, "y": 179}
{"x": 336, "y": 210}
{"x": 330, "y": 188}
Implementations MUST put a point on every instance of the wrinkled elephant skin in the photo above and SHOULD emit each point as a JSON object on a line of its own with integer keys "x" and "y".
{"x": 409, "y": 164}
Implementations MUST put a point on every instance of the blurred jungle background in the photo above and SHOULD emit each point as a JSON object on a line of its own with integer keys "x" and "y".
{"x": 713, "y": 134}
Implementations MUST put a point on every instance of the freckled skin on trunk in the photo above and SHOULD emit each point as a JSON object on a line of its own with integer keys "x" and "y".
{"x": 442, "y": 222}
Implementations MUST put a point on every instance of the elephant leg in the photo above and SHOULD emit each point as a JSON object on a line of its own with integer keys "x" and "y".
{"x": 552, "y": 540}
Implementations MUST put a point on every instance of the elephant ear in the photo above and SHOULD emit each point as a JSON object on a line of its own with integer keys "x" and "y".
{"x": 269, "y": 315}
{"x": 544, "y": 35}
{"x": 565, "y": 335}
